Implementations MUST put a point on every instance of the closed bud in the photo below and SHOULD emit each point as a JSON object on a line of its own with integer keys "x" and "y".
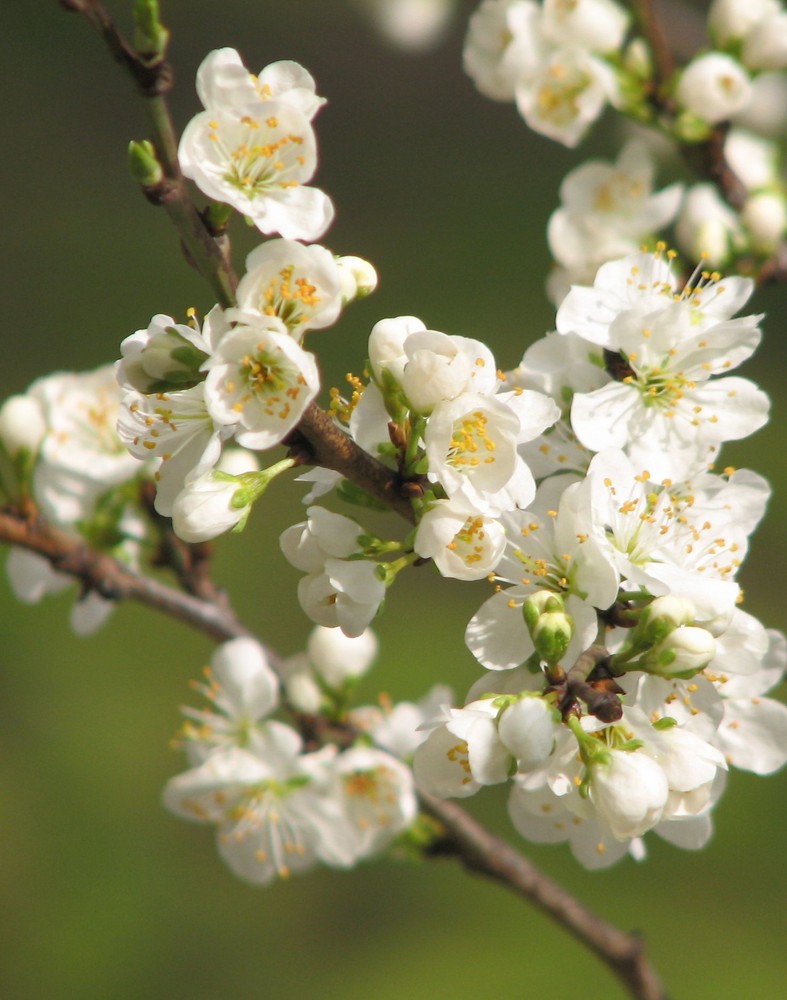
{"x": 144, "y": 165}
{"x": 685, "y": 651}
{"x": 663, "y": 616}
{"x": 357, "y": 276}
{"x": 538, "y": 604}
{"x": 550, "y": 627}
{"x": 765, "y": 216}
{"x": 150, "y": 36}
{"x": 714, "y": 87}
{"x": 22, "y": 425}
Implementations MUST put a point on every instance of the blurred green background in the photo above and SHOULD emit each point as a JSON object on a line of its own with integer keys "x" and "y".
{"x": 103, "y": 895}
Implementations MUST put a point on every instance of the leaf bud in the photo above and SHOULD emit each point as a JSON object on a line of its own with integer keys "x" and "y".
{"x": 150, "y": 36}
{"x": 144, "y": 165}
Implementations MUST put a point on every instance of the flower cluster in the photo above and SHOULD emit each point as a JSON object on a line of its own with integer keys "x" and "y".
{"x": 278, "y": 809}
{"x": 550, "y": 59}
{"x": 58, "y": 445}
{"x": 621, "y": 676}
{"x": 619, "y": 658}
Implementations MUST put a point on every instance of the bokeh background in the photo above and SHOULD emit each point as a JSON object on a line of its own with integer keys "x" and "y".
{"x": 103, "y": 895}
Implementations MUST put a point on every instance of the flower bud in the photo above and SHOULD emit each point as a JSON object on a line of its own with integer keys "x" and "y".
{"x": 662, "y": 616}
{"x": 205, "y": 507}
{"x": 528, "y": 729}
{"x": 707, "y": 228}
{"x": 732, "y": 19}
{"x": 550, "y": 627}
{"x": 683, "y": 653}
{"x": 22, "y": 425}
{"x": 714, "y": 87}
{"x": 144, "y": 165}
{"x": 765, "y": 47}
{"x": 150, "y": 36}
{"x": 337, "y": 657}
{"x": 765, "y": 216}
{"x": 357, "y": 276}
{"x": 386, "y": 344}
{"x": 630, "y": 791}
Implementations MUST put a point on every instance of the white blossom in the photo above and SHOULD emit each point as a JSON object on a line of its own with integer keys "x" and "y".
{"x": 345, "y": 593}
{"x": 337, "y": 657}
{"x": 378, "y": 795}
{"x": 258, "y": 157}
{"x": 224, "y": 82}
{"x": 22, "y": 425}
{"x": 301, "y": 285}
{"x": 441, "y": 367}
{"x": 568, "y": 92}
{"x": 707, "y": 228}
{"x": 176, "y": 428}
{"x": 259, "y": 383}
{"x": 630, "y": 791}
{"x": 598, "y": 25}
{"x": 464, "y": 546}
{"x": 503, "y": 44}
{"x": 471, "y": 446}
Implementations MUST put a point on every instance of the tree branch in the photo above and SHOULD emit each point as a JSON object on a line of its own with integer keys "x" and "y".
{"x": 485, "y": 854}
{"x": 330, "y": 447}
{"x": 113, "y": 580}
{"x": 153, "y": 81}
{"x": 663, "y": 60}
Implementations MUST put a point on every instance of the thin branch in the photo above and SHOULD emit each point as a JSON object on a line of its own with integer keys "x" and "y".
{"x": 485, "y": 854}
{"x": 650, "y": 23}
{"x": 113, "y": 580}
{"x": 153, "y": 81}
{"x": 330, "y": 447}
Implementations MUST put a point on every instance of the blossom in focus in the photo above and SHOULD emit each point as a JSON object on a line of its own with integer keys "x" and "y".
{"x": 301, "y": 285}
{"x": 464, "y": 546}
{"x": 254, "y": 147}
{"x": 668, "y": 411}
{"x": 259, "y": 382}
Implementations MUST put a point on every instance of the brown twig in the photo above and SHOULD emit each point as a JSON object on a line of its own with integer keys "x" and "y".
{"x": 152, "y": 81}
{"x": 650, "y": 23}
{"x": 113, "y": 580}
{"x": 331, "y": 448}
{"x": 485, "y": 854}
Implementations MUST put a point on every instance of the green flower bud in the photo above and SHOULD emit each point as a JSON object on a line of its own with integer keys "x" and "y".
{"x": 550, "y": 627}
